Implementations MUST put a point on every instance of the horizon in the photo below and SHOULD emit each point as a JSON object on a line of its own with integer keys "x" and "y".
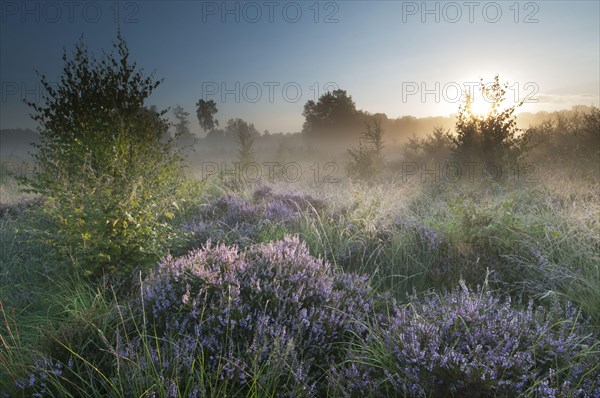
{"x": 538, "y": 116}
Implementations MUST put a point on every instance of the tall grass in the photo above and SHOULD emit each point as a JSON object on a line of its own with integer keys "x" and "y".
{"x": 535, "y": 242}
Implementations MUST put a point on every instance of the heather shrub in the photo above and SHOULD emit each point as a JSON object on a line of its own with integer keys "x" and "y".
{"x": 229, "y": 219}
{"x": 237, "y": 220}
{"x": 475, "y": 343}
{"x": 233, "y": 312}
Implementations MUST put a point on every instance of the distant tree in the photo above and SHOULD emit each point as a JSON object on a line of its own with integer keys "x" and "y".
{"x": 492, "y": 138}
{"x": 367, "y": 160}
{"x": 333, "y": 115}
{"x": 206, "y": 111}
{"x": 182, "y": 130}
{"x": 374, "y": 135}
{"x": 244, "y": 135}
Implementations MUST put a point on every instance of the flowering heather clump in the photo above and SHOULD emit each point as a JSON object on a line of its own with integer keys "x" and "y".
{"x": 280, "y": 211}
{"x": 263, "y": 192}
{"x": 37, "y": 378}
{"x": 469, "y": 343}
{"x": 303, "y": 202}
{"x": 241, "y": 310}
{"x": 232, "y": 210}
{"x": 228, "y": 218}
{"x": 431, "y": 239}
{"x": 237, "y": 220}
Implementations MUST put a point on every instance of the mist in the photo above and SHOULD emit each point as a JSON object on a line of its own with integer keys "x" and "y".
{"x": 300, "y": 199}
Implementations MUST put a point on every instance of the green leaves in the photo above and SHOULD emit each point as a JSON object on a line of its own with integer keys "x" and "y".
{"x": 106, "y": 171}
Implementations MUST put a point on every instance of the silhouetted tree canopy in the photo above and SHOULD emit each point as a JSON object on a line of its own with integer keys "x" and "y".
{"x": 333, "y": 115}
{"x": 436, "y": 147}
{"x": 491, "y": 138}
{"x": 206, "y": 111}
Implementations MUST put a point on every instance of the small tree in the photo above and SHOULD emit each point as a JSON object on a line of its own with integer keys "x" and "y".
{"x": 374, "y": 136}
{"x": 108, "y": 177}
{"x": 244, "y": 134}
{"x": 491, "y": 138}
{"x": 182, "y": 129}
{"x": 367, "y": 159}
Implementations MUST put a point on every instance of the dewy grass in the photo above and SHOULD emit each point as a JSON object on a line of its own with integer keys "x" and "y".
{"x": 228, "y": 328}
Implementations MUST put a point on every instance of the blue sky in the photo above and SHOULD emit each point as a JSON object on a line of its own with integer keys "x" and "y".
{"x": 263, "y": 60}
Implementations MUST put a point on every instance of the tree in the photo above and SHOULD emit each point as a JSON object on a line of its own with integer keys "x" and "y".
{"x": 106, "y": 174}
{"x": 492, "y": 138}
{"x": 367, "y": 160}
{"x": 182, "y": 130}
{"x": 206, "y": 111}
{"x": 374, "y": 136}
{"x": 244, "y": 135}
{"x": 333, "y": 115}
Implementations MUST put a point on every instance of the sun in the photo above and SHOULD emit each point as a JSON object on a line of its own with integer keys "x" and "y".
{"x": 480, "y": 106}
{"x": 476, "y": 105}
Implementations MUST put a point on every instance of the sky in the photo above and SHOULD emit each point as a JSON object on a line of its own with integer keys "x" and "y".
{"x": 262, "y": 61}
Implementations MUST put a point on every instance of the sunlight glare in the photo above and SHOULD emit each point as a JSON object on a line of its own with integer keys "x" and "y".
{"x": 480, "y": 107}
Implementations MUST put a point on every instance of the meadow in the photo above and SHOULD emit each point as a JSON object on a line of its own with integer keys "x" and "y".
{"x": 462, "y": 263}
{"x": 398, "y": 286}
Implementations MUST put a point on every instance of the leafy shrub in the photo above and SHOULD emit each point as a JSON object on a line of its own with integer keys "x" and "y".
{"x": 233, "y": 312}
{"x": 109, "y": 179}
{"x": 473, "y": 343}
{"x": 435, "y": 147}
{"x": 491, "y": 138}
{"x": 570, "y": 140}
